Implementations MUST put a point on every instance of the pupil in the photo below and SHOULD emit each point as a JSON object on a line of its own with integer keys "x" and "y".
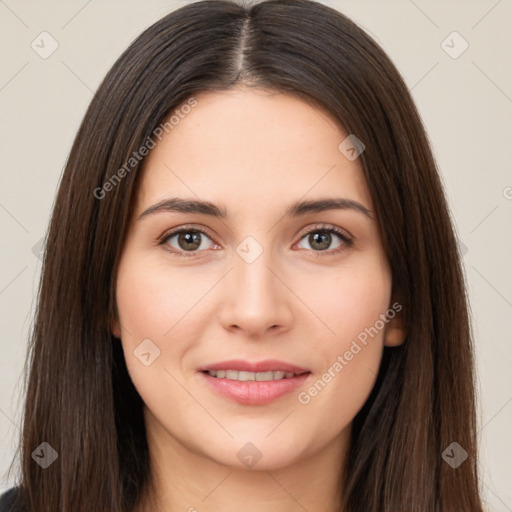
{"x": 324, "y": 242}
{"x": 189, "y": 240}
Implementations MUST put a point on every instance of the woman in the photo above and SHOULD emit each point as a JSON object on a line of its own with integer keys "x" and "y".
{"x": 251, "y": 293}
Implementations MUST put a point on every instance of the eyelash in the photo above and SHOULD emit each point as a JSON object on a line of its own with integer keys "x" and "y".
{"x": 347, "y": 242}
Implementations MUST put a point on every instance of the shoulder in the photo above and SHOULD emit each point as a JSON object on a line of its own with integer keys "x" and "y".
{"x": 8, "y": 501}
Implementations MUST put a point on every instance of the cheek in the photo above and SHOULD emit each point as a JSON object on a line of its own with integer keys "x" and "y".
{"x": 152, "y": 300}
{"x": 149, "y": 308}
{"x": 353, "y": 300}
{"x": 161, "y": 305}
{"x": 351, "y": 306}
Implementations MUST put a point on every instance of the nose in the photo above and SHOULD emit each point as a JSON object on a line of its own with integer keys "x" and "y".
{"x": 256, "y": 299}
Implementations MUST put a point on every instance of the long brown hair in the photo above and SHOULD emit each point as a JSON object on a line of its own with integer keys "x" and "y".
{"x": 79, "y": 397}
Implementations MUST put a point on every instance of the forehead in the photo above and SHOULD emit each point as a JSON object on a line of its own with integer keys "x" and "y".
{"x": 254, "y": 148}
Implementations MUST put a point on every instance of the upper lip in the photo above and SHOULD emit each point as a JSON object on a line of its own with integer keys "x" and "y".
{"x": 258, "y": 366}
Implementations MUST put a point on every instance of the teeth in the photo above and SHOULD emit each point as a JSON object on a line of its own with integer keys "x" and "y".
{"x": 247, "y": 376}
{"x": 231, "y": 374}
{"x": 264, "y": 376}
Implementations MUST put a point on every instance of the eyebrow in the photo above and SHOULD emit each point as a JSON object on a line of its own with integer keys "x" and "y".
{"x": 176, "y": 204}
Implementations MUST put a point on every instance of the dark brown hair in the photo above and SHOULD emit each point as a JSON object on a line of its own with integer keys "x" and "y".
{"x": 79, "y": 396}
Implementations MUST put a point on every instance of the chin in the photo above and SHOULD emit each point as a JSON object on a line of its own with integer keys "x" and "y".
{"x": 259, "y": 452}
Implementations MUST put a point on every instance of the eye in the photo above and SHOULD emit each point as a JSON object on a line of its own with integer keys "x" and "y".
{"x": 320, "y": 239}
{"x": 188, "y": 240}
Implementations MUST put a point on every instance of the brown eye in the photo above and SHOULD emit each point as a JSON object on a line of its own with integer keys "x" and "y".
{"x": 189, "y": 240}
{"x": 320, "y": 240}
{"x": 186, "y": 240}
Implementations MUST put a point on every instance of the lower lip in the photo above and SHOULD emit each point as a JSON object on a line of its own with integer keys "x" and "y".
{"x": 254, "y": 392}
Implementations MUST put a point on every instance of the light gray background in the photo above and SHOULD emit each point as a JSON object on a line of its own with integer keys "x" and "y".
{"x": 465, "y": 102}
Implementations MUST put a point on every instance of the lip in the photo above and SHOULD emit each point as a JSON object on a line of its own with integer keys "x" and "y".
{"x": 254, "y": 392}
{"x": 267, "y": 365}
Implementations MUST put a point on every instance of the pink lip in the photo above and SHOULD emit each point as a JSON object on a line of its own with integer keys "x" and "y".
{"x": 254, "y": 392}
{"x": 269, "y": 365}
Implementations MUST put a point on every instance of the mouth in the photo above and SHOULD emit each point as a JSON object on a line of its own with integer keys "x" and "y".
{"x": 253, "y": 383}
{"x": 244, "y": 376}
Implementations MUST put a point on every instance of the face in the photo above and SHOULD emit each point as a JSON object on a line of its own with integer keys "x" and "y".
{"x": 252, "y": 287}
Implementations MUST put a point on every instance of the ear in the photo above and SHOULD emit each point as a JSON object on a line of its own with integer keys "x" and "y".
{"x": 116, "y": 329}
{"x": 115, "y": 326}
{"x": 396, "y": 331}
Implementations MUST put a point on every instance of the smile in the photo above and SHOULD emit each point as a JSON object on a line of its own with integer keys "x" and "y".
{"x": 244, "y": 376}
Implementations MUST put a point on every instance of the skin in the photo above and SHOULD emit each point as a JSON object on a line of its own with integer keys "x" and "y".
{"x": 253, "y": 152}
